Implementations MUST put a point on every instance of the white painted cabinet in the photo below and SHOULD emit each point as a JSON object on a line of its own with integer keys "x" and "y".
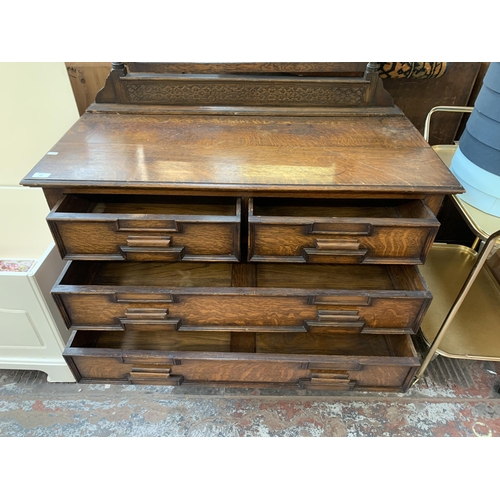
{"x": 32, "y": 334}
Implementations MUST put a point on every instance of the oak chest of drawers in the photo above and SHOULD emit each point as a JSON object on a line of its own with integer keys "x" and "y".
{"x": 245, "y": 225}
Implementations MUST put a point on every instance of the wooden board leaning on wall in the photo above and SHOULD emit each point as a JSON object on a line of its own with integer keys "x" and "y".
{"x": 87, "y": 78}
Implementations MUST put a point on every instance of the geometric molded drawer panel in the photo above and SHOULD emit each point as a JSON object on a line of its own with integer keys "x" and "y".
{"x": 340, "y": 231}
{"x": 203, "y": 297}
{"x": 351, "y": 362}
{"x": 158, "y": 228}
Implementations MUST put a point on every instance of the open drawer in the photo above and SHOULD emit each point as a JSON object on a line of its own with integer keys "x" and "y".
{"x": 152, "y": 227}
{"x": 311, "y": 361}
{"x": 340, "y": 231}
{"x": 263, "y": 298}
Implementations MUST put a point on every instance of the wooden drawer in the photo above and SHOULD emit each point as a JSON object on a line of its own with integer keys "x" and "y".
{"x": 340, "y": 231}
{"x": 242, "y": 297}
{"x": 152, "y": 228}
{"x": 311, "y": 361}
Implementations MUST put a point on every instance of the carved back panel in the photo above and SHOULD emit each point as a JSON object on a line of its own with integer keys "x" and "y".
{"x": 245, "y": 84}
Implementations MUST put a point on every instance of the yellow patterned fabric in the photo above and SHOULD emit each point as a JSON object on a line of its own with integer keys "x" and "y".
{"x": 418, "y": 70}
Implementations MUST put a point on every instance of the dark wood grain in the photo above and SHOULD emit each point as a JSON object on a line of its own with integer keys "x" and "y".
{"x": 182, "y": 169}
{"x": 285, "y": 111}
{"x": 328, "y": 68}
{"x": 330, "y": 344}
{"x": 244, "y": 275}
{"x": 353, "y": 155}
{"x": 232, "y": 131}
{"x": 373, "y": 362}
{"x": 249, "y": 85}
{"x": 165, "y": 341}
{"x": 264, "y": 298}
{"x": 340, "y": 231}
{"x": 147, "y": 228}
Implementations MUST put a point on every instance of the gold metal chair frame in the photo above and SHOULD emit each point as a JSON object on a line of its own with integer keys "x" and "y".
{"x": 463, "y": 320}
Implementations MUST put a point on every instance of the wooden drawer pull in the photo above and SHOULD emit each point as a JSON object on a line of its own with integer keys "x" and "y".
{"x": 165, "y": 253}
{"x": 149, "y": 241}
{"x": 154, "y": 323}
{"x": 151, "y": 379}
{"x": 334, "y": 326}
{"x": 344, "y": 256}
{"x": 329, "y": 375}
{"x": 165, "y": 369}
{"x": 338, "y": 375}
{"x": 327, "y": 385}
{"x": 146, "y": 313}
{"x": 154, "y": 374}
{"x": 329, "y": 379}
{"x": 337, "y": 244}
{"x": 323, "y": 380}
{"x": 333, "y": 315}
{"x": 339, "y": 321}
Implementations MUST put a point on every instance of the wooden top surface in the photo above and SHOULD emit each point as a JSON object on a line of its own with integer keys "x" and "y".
{"x": 308, "y": 155}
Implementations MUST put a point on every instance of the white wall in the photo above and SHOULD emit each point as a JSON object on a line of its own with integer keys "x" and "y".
{"x": 37, "y": 107}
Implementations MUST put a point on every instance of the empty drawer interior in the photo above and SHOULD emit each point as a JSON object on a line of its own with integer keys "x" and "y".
{"x": 216, "y": 275}
{"x": 157, "y": 204}
{"x": 154, "y": 341}
{"x": 295, "y": 343}
{"x": 328, "y": 208}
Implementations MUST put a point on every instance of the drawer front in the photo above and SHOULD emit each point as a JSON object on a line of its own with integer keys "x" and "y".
{"x": 241, "y": 297}
{"x": 376, "y": 376}
{"x": 251, "y": 311}
{"x": 82, "y": 230}
{"x": 328, "y": 373}
{"x": 405, "y": 238}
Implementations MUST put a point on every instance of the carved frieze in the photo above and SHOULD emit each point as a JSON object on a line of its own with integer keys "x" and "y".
{"x": 236, "y": 93}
